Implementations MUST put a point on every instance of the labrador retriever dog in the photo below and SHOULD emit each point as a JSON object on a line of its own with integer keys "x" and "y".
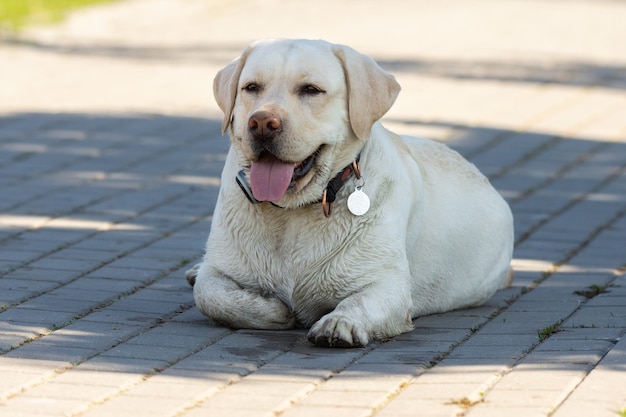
{"x": 327, "y": 220}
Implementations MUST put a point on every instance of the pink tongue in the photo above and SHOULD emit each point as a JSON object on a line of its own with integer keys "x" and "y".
{"x": 270, "y": 177}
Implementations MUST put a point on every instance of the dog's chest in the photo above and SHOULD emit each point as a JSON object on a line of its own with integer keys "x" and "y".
{"x": 306, "y": 260}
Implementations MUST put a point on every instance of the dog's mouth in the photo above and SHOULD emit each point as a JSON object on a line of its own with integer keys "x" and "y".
{"x": 271, "y": 177}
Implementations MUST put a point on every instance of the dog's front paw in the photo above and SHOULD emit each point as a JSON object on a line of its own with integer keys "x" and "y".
{"x": 338, "y": 331}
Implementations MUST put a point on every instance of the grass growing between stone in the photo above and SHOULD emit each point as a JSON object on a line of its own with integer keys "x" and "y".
{"x": 548, "y": 331}
{"x": 592, "y": 291}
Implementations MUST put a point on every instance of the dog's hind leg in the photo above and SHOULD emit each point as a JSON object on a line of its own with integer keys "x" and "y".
{"x": 192, "y": 273}
{"x": 509, "y": 279}
{"x": 226, "y": 303}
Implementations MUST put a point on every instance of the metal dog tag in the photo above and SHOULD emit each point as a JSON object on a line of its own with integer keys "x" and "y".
{"x": 358, "y": 202}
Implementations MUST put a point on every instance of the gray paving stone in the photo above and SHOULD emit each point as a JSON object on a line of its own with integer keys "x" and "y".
{"x": 38, "y": 350}
{"x": 46, "y": 318}
{"x": 551, "y": 255}
{"x": 94, "y": 286}
{"x": 133, "y": 351}
{"x": 162, "y": 307}
{"x": 122, "y": 317}
{"x": 68, "y": 299}
{"x": 10, "y": 297}
{"x": 173, "y": 336}
{"x": 516, "y": 148}
{"x": 137, "y": 366}
{"x": 11, "y": 341}
{"x": 114, "y": 272}
{"x": 384, "y": 356}
{"x": 87, "y": 254}
{"x": 499, "y": 347}
{"x": 107, "y": 244}
{"x": 607, "y": 299}
{"x": 449, "y": 321}
{"x": 525, "y": 305}
{"x": 69, "y": 293}
{"x": 17, "y": 257}
{"x": 28, "y": 286}
{"x": 518, "y": 322}
{"x": 221, "y": 375}
{"x": 561, "y": 286}
{"x": 304, "y": 357}
{"x": 194, "y": 319}
{"x": 138, "y": 262}
{"x": 174, "y": 283}
{"x": 27, "y": 330}
{"x": 85, "y": 334}
{"x": 599, "y": 316}
{"x": 65, "y": 264}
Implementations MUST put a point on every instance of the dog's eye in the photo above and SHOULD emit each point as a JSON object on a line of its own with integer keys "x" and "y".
{"x": 252, "y": 88}
{"x": 310, "y": 90}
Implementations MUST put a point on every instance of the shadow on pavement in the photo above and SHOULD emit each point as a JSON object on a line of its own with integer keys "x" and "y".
{"x": 102, "y": 214}
{"x": 565, "y": 73}
{"x": 575, "y": 73}
{"x": 200, "y": 53}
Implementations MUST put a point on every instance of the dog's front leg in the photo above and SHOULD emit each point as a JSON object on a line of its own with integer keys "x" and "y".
{"x": 378, "y": 312}
{"x": 227, "y": 303}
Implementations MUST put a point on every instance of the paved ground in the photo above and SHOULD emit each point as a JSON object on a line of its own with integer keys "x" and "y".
{"x": 109, "y": 165}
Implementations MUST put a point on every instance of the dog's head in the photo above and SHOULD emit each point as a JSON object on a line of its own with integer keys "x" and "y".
{"x": 298, "y": 112}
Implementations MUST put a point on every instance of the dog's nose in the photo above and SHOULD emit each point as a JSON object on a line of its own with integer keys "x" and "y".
{"x": 264, "y": 125}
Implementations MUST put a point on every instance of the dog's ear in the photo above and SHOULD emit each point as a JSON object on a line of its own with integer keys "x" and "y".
{"x": 225, "y": 87}
{"x": 371, "y": 90}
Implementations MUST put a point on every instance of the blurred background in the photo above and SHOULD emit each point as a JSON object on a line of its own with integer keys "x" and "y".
{"x": 459, "y": 62}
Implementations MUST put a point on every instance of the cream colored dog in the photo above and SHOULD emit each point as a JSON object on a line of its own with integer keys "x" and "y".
{"x": 303, "y": 117}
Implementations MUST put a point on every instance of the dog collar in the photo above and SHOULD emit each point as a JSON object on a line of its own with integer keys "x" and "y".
{"x": 330, "y": 193}
{"x": 328, "y": 196}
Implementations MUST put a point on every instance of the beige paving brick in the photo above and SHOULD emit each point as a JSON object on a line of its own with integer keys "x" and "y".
{"x": 353, "y": 399}
{"x": 82, "y": 376}
{"x": 524, "y": 377}
{"x": 350, "y": 382}
{"x": 12, "y": 383}
{"x": 408, "y": 407}
{"x": 263, "y": 399}
{"x": 445, "y": 393}
{"x": 532, "y": 397}
{"x": 62, "y": 391}
{"x": 513, "y": 411}
{"x": 44, "y": 405}
{"x": 593, "y": 104}
{"x": 311, "y": 411}
{"x": 464, "y": 371}
{"x": 137, "y": 406}
{"x": 609, "y": 408}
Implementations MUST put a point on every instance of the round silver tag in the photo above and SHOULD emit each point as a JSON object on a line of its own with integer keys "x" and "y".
{"x": 358, "y": 202}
